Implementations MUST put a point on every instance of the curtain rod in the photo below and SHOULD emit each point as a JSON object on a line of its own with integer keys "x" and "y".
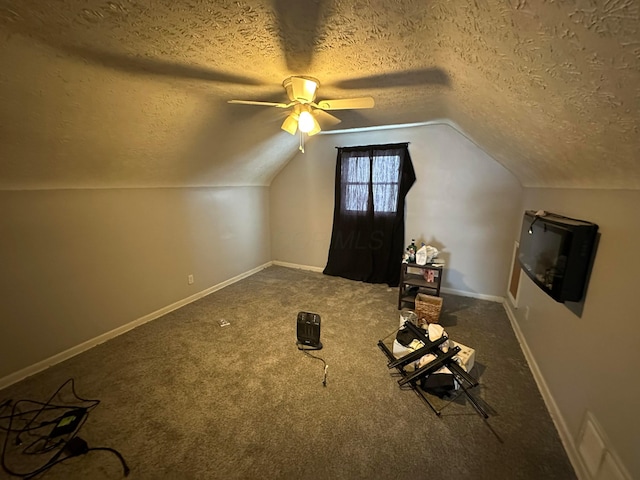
{"x": 386, "y": 145}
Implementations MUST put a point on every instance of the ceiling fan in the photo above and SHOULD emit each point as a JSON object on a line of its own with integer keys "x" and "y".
{"x": 306, "y": 115}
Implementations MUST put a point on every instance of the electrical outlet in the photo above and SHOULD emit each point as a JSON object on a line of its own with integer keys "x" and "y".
{"x": 190, "y": 279}
{"x": 526, "y": 312}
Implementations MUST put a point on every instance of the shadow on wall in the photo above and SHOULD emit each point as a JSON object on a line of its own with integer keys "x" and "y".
{"x": 443, "y": 255}
{"x": 451, "y": 278}
{"x": 455, "y": 279}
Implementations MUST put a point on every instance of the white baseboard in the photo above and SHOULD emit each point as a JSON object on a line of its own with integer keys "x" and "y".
{"x": 462, "y": 293}
{"x": 299, "y": 267}
{"x": 84, "y": 346}
{"x": 479, "y": 296}
{"x": 561, "y": 426}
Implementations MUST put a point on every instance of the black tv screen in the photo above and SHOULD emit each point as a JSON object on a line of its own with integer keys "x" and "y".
{"x": 556, "y": 253}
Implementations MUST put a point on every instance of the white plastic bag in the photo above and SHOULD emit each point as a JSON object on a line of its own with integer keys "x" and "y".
{"x": 436, "y": 332}
{"x": 432, "y": 252}
{"x": 426, "y": 254}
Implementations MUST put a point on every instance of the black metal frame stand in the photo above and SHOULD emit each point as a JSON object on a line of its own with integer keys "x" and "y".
{"x": 466, "y": 381}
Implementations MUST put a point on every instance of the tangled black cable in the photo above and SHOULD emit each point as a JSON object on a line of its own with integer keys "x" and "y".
{"x": 71, "y": 446}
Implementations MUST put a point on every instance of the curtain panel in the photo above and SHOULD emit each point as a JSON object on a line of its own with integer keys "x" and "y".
{"x": 367, "y": 240}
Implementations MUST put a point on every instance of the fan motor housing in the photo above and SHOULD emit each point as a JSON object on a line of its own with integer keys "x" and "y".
{"x": 301, "y": 89}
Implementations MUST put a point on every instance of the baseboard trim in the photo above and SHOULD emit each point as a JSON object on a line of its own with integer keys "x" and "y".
{"x": 479, "y": 296}
{"x": 561, "y": 426}
{"x": 452, "y": 291}
{"x": 84, "y": 346}
{"x": 298, "y": 266}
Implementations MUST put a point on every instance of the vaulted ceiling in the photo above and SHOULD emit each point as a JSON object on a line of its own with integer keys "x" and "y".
{"x": 120, "y": 93}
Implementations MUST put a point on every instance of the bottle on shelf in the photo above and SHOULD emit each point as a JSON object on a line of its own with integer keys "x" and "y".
{"x": 412, "y": 249}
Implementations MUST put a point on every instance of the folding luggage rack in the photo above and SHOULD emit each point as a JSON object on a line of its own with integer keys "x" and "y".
{"x": 464, "y": 379}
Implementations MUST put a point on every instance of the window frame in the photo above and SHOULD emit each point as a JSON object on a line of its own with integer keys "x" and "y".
{"x": 371, "y": 159}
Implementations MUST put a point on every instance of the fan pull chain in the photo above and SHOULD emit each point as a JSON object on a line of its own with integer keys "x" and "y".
{"x": 301, "y": 147}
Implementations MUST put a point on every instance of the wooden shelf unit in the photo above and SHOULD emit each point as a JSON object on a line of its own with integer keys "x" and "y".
{"x": 413, "y": 283}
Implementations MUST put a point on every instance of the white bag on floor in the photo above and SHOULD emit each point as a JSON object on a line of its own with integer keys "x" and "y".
{"x": 435, "y": 332}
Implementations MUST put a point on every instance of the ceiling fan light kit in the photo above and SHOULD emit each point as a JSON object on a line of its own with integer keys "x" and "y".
{"x": 302, "y": 118}
{"x": 306, "y": 122}
{"x": 302, "y": 91}
{"x": 290, "y": 124}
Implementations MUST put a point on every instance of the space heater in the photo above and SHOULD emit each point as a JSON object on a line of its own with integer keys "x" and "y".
{"x": 308, "y": 331}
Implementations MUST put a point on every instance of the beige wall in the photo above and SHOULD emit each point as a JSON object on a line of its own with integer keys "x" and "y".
{"x": 463, "y": 202}
{"x": 589, "y": 363}
{"x": 79, "y": 263}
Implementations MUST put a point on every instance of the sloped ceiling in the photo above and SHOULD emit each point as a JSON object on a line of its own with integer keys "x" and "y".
{"x": 125, "y": 93}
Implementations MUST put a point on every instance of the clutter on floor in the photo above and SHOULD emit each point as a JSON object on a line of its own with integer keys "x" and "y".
{"x": 429, "y": 361}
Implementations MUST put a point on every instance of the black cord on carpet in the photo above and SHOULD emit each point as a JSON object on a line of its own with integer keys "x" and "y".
{"x": 61, "y": 439}
{"x": 326, "y": 367}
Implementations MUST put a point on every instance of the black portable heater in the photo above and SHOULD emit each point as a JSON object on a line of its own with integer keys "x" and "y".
{"x": 308, "y": 331}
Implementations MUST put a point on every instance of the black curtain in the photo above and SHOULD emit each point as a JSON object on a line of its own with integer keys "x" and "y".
{"x": 367, "y": 241}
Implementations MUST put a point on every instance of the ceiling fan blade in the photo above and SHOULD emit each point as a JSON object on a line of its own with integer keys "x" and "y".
{"x": 264, "y": 104}
{"x": 154, "y": 66}
{"x": 326, "y": 120}
{"x": 347, "y": 103}
{"x": 299, "y": 25}
{"x": 408, "y": 78}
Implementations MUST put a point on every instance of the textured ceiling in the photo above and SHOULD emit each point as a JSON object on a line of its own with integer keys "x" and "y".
{"x": 98, "y": 93}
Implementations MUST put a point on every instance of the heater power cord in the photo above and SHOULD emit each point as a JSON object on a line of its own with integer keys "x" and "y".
{"x": 326, "y": 367}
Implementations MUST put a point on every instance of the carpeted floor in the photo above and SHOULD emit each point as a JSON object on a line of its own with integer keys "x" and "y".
{"x": 184, "y": 398}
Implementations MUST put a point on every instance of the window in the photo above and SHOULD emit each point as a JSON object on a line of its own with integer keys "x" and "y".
{"x": 380, "y": 171}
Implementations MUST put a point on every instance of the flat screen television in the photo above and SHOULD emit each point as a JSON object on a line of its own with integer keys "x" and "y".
{"x": 556, "y": 253}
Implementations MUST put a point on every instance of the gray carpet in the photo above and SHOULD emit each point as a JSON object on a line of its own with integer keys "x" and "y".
{"x": 183, "y": 398}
